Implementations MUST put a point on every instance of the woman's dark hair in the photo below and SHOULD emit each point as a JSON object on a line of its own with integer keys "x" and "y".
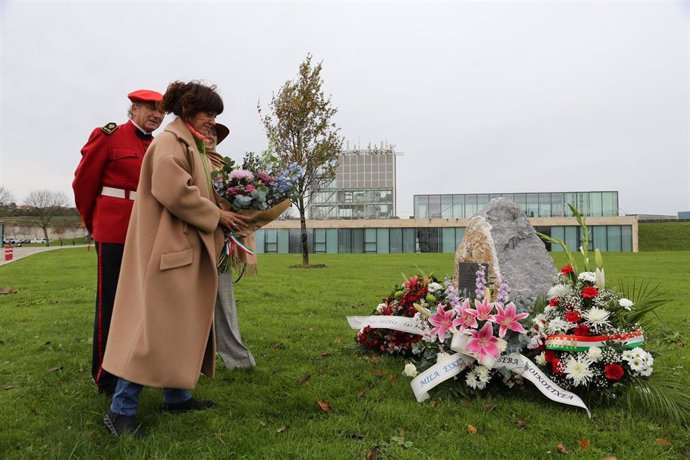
{"x": 187, "y": 99}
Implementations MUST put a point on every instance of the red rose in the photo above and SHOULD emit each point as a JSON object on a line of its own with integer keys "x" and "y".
{"x": 565, "y": 271}
{"x": 554, "y": 301}
{"x": 581, "y": 329}
{"x": 549, "y": 355}
{"x": 589, "y": 292}
{"x": 614, "y": 371}
{"x": 556, "y": 366}
{"x": 572, "y": 317}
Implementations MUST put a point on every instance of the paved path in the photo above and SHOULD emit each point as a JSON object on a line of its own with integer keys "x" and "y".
{"x": 26, "y": 251}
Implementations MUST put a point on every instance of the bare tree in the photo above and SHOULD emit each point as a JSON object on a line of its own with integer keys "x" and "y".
{"x": 6, "y": 196}
{"x": 300, "y": 130}
{"x": 46, "y": 205}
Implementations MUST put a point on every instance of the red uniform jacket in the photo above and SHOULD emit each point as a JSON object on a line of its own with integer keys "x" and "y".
{"x": 110, "y": 160}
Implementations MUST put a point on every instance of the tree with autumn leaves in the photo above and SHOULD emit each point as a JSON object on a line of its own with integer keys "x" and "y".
{"x": 301, "y": 130}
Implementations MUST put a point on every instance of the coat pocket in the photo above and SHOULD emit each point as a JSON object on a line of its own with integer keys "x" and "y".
{"x": 176, "y": 259}
{"x": 120, "y": 153}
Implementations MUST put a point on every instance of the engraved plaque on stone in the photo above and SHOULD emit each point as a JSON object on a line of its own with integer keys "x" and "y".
{"x": 467, "y": 276}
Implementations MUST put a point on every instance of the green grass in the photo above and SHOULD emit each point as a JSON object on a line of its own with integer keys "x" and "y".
{"x": 293, "y": 320}
{"x": 664, "y": 236}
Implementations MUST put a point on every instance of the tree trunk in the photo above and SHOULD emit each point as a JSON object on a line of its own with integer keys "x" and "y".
{"x": 303, "y": 228}
{"x": 45, "y": 235}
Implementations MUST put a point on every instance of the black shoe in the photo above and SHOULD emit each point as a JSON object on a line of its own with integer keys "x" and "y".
{"x": 186, "y": 406}
{"x": 120, "y": 425}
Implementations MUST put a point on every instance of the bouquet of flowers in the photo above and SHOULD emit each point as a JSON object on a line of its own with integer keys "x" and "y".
{"x": 259, "y": 188}
{"x": 482, "y": 327}
{"x": 590, "y": 339}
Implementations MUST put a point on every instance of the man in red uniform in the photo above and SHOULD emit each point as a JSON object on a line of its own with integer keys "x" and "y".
{"x": 105, "y": 185}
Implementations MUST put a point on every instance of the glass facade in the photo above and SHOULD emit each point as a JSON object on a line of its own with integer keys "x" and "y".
{"x": 464, "y": 206}
{"x": 364, "y": 187}
{"x": 608, "y": 238}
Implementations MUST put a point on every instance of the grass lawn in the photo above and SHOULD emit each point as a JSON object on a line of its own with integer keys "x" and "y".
{"x": 293, "y": 320}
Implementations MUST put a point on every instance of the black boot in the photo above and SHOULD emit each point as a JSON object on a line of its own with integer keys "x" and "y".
{"x": 120, "y": 425}
{"x": 186, "y": 406}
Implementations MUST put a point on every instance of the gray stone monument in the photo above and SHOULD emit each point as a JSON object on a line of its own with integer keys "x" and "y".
{"x": 501, "y": 238}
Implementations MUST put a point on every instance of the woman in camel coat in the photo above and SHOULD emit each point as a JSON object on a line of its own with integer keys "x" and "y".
{"x": 161, "y": 334}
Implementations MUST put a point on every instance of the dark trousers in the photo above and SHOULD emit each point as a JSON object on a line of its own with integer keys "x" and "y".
{"x": 109, "y": 261}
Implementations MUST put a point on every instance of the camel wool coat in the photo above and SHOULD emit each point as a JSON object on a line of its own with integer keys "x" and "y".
{"x": 161, "y": 334}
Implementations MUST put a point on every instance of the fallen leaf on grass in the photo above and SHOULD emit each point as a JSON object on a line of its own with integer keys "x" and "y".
{"x": 324, "y": 405}
{"x": 4, "y": 291}
{"x": 663, "y": 442}
{"x": 394, "y": 378}
{"x": 361, "y": 393}
{"x": 338, "y": 341}
{"x": 55, "y": 369}
{"x": 584, "y": 444}
{"x": 8, "y": 387}
{"x": 610, "y": 457}
{"x": 471, "y": 429}
{"x": 489, "y": 407}
{"x": 374, "y": 359}
{"x": 521, "y": 423}
{"x": 373, "y": 453}
{"x": 325, "y": 354}
{"x": 560, "y": 448}
{"x": 281, "y": 429}
{"x": 304, "y": 379}
{"x": 378, "y": 372}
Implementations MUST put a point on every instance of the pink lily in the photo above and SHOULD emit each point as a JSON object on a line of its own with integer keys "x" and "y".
{"x": 467, "y": 318}
{"x": 411, "y": 283}
{"x": 508, "y": 319}
{"x": 443, "y": 322}
{"x": 483, "y": 310}
{"x": 484, "y": 345}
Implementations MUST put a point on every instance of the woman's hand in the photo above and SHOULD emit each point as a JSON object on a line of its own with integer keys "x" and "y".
{"x": 233, "y": 221}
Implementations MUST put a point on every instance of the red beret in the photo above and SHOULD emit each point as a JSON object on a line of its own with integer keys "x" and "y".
{"x": 145, "y": 95}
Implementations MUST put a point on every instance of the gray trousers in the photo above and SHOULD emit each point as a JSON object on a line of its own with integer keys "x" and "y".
{"x": 228, "y": 341}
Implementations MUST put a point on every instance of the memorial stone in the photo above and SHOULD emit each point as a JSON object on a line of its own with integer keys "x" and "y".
{"x": 501, "y": 237}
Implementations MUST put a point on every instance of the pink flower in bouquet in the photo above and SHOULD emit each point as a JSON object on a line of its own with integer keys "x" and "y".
{"x": 482, "y": 310}
{"x": 249, "y": 188}
{"x": 508, "y": 319}
{"x": 443, "y": 322}
{"x": 264, "y": 178}
{"x": 467, "y": 318}
{"x": 484, "y": 345}
{"x": 241, "y": 174}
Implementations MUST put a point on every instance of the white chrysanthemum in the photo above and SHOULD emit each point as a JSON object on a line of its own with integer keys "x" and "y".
{"x": 626, "y": 303}
{"x": 627, "y": 355}
{"x": 433, "y": 287}
{"x": 588, "y": 277}
{"x": 595, "y": 354}
{"x": 636, "y": 364}
{"x": 596, "y": 317}
{"x": 482, "y": 374}
{"x": 557, "y": 325}
{"x": 541, "y": 359}
{"x": 638, "y": 353}
{"x": 647, "y": 371}
{"x": 577, "y": 369}
{"x": 410, "y": 370}
{"x": 441, "y": 357}
{"x": 471, "y": 380}
{"x": 558, "y": 290}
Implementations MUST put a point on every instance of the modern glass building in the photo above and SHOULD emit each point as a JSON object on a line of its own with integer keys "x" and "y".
{"x": 549, "y": 204}
{"x": 364, "y": 187}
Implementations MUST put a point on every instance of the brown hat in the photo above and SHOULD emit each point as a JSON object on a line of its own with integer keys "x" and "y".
{"x": 222, "y": 132}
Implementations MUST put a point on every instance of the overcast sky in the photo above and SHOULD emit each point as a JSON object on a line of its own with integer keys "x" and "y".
{"x": 482, "y": 96}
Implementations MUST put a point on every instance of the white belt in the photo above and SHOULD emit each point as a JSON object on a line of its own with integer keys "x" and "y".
{"x": 118, "y": 193}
